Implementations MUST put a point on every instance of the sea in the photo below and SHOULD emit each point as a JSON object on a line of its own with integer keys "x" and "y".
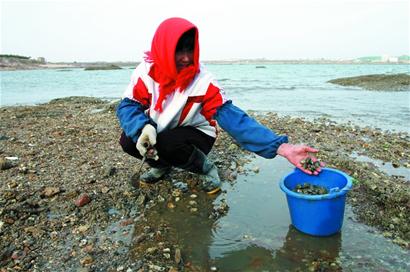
{"x": 299, "y": 90}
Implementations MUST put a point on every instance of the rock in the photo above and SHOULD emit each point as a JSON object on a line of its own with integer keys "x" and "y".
{"x": 105, "y": 189}
{"x": 380, "y": 82}
{"x": 50, "y": 191}
{"x": 6, "y": 164}
{"x": 87, "y": 260}
{"x": 177, "y": 256}
{"x": 82, "y": 200}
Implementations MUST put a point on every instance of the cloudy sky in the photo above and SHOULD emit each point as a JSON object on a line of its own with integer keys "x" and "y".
{"x": 121, "y": 30}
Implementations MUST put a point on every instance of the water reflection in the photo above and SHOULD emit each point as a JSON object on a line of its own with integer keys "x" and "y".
{"x": 298, "y": 252}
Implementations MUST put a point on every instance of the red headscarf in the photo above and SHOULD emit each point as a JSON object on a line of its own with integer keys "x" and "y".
{"x": 162, "y": 55}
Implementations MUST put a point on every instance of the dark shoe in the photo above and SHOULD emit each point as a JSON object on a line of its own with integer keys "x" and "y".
{"x": 199, "y": 163}
{"x": 211, "y": 182}
{"x": 154, "y": 175}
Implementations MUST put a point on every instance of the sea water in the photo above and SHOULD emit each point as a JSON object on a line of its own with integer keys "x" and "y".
{"x": 287, "y": 89}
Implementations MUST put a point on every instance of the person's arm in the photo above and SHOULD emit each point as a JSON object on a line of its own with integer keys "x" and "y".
{"x": 259, "y": 139}
{"x": 250, "y": 134}
{"x": 132, "y": 118}
{"x": 136, "y": 99}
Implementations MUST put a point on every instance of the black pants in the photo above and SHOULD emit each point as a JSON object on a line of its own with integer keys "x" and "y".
{"x": 174, "y": 146}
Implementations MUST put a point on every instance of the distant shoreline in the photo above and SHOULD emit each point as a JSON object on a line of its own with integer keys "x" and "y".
{"x": 14, "y": 66}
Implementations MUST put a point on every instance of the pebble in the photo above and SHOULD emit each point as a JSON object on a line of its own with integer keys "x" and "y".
{"x": 82, "y": 200}
{"x": 50, "y": 191}
{"x": 177, "y": 256}
{"x": 86, "y": 260}
{"x": 6, "y": 164}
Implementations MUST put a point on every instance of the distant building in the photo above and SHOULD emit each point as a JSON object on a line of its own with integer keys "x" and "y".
{"x": 41, "y": 60}
{"x": 393, "y": 59}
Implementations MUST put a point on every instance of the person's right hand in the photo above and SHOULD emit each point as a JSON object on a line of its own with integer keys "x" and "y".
{"x": 147, "y": 140}
{"x": 296, "y": 153}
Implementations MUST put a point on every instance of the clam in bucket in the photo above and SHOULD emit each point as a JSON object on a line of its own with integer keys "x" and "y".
{"x": 318, "y": 215}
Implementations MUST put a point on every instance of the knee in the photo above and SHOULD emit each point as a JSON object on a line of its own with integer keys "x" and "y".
{"x": 128, "y": 146}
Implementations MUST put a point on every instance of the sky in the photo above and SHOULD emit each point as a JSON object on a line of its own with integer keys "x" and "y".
{"x": 121, "y": 30}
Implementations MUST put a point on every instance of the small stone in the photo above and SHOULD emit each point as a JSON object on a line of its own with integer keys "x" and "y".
{"x": 170, "y": 205}
{"x": 18, "y": 254}
{"x": 126, "y": 222}
{"x": 86, "y": 260}
{"x": 50, "y": 191}
{"x": 82, "y": 200}
{"x": 151, "y": 250}
{"x": 167, "y": 256}
{"x": 177, "y": 256}
{"x": 194, "y": 209}
{"x": 83, "y": 228}
{"x": 105, "y": 189}
{"x": 5, "y": 164}
{"x": 193, "y": 196}
{"x": 120, "y": 268}
{"x": 141, "y": 200}
{"x": 192, "y": 202}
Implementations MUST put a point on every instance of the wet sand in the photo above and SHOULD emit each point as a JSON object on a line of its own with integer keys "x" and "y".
{"x": 66, "y": 202}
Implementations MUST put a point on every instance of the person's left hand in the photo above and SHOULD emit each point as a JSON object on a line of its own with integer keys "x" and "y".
{"x": 296, "y": 153}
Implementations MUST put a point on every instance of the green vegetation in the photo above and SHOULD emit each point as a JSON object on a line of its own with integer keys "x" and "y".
{"x": 370, "y": 59}
{"x": 13, "y": 56}
{"x": 102, "y": 67}
{"x": 404, "y": 58}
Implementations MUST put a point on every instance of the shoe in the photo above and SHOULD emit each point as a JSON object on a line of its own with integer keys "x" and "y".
{"x": 154, "y": 175}
{"x": 199, "y": 163}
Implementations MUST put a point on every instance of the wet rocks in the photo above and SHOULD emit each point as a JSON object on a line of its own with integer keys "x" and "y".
{"x": 64, "y": 150}
{"x": 6, "y": 164}
{"x": 381, "y": 82}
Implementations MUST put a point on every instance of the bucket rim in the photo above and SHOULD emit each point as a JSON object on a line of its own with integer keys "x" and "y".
{"x": 342, "y": 191}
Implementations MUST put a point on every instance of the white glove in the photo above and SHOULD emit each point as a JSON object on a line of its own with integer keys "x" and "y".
{"x": 146, "y": 142}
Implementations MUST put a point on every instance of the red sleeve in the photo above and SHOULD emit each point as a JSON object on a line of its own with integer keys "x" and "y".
{"x": 140, "y": 94}
{"x": 212, "y": 101}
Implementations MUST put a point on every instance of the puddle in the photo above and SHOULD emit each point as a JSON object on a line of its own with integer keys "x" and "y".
{"x": 386, "y": 167}
{"x": 256, "y": 233}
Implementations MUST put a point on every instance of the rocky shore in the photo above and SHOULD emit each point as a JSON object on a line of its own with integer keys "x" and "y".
{"x": 378, "y": 82}
{"x": 66, "y": 203}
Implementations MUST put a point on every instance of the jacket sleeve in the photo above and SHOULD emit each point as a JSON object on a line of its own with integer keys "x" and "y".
{"x": 132, "y": 118}
{"x": 131, "y": 110}
{"x": 250, "y": 134}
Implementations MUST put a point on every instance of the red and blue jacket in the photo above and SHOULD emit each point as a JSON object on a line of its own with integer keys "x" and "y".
{"x": 159, "y": 95}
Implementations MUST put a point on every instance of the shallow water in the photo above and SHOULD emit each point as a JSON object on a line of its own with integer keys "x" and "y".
{"x": 256, "y": 233}
{"x": 386, "y": 167}
{"x": 288, "y": 89}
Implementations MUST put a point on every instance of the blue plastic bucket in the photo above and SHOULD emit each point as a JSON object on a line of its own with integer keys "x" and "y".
{"x": 318, "y": 215}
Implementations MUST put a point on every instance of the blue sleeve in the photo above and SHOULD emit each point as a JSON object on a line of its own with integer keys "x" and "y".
{"x": 248, "y": 132}
{"x": 132, "y": 118}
